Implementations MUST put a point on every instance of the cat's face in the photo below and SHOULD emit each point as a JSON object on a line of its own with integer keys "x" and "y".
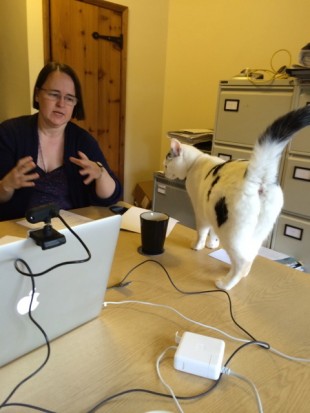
{"x": 174, "y": 164}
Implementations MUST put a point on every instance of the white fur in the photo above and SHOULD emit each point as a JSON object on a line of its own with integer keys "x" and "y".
{"x": 254, "y": 204}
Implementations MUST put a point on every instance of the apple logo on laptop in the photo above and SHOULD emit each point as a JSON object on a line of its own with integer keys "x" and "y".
{"x": 24, "y": 303}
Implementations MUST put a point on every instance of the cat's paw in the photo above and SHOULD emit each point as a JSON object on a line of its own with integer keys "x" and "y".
{"x": 220, "y": 283}
{"x": 213, "y": 243}
{"x": 227, "y": 283}
{"x": 198, "y": 245}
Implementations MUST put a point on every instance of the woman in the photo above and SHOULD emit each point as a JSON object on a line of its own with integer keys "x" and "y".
{"x": 47, "y": 158}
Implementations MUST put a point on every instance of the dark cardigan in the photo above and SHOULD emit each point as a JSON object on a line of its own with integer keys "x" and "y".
{"x": 19, "y": 138}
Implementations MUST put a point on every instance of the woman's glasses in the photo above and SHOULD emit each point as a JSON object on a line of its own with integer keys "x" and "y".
{"x": 54, "y": 95}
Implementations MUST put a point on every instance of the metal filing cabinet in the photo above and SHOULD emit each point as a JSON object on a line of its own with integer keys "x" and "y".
{"x": 244, "y": 110}
{"x": 171, "y": 197}
{"x": 292, "y": 231}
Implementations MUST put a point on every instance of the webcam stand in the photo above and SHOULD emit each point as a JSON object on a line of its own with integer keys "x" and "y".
{"x": 47, "y": 237}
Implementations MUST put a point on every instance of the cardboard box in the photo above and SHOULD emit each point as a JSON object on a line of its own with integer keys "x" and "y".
{"x": 143, "y": 194}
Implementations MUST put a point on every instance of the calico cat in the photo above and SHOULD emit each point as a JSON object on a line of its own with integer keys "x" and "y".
{"x": 236, "y": 202}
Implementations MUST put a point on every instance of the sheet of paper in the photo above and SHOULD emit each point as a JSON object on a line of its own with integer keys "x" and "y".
{"x": 271, "y": 254}
{"x": 71, "y": 218}
{"x": 131, "y": 220}
{"x": 222, "y": 255}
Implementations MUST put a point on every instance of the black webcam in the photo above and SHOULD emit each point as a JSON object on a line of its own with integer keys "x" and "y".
{"x": 42, "y": 213}
{"x": 46, "y": 237}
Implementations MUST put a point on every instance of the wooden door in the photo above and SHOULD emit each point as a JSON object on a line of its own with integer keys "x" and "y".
{"x": 90, "y": 36}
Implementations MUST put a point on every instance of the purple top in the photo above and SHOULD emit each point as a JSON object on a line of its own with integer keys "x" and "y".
{"x": 50, "y": 186}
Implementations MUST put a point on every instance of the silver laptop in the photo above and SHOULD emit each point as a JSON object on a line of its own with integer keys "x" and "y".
{"x": 65, "y": 297}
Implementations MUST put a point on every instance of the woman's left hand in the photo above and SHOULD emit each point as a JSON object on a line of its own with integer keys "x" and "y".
{"x": 89, "y": 169}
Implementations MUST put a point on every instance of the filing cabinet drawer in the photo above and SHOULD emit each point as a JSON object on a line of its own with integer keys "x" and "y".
{"x": 296, "y": 186}
{"x": 292, "y": 237}
{"x": 229, "y": 152}
{"x": 244, "y": 113}
{"x": 301, "y": 141}
{"x": 172, "y": 198}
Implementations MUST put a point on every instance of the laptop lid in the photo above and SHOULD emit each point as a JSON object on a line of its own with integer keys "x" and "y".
{"x": 66, "y": 297}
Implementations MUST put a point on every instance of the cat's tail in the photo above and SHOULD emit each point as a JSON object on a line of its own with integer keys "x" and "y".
{"x": 266, "y": 156}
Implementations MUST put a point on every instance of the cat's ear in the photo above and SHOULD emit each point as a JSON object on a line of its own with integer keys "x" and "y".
{"x": 176, "y": 147}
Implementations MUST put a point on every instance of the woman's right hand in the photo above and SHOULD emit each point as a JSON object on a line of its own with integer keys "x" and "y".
{"x": 18, "y": 177}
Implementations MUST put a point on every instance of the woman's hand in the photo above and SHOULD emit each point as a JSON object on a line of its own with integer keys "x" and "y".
{"x": 18, "y": 177}
{"x": 105, "y": 184}
{"x": 89, "y": 168}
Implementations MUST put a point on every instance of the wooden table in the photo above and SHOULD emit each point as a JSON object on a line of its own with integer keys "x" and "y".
{"x": 118, "y": 350}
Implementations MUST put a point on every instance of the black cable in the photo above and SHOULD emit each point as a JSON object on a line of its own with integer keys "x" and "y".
{"x": 120, "y": 284}
{"x": 32, "y": 277}
{"x": 123, "y": 284}
{"x": 5, "y": 402}
{"x": 29, "y": 406}
{"x": 64, "y": 262}
{"x": 193, "y": 397}
{"x": 262, "y": 344}
{"x": 155, "y": 393}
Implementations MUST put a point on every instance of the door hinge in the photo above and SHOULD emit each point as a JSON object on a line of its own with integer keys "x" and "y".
{"x": 118, "y": 40}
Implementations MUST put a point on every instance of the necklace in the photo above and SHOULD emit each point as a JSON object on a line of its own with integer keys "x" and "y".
{"x": 53, "y": 145}
{"x": 41, "y": 157}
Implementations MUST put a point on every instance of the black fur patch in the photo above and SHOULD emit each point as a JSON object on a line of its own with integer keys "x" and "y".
{"x": 212, "y": 185}
{"x": 221, "y": 211}
{"x": 215, "y": 169}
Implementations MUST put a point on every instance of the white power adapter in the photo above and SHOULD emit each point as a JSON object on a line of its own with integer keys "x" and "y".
{"x": 200, "y": 355}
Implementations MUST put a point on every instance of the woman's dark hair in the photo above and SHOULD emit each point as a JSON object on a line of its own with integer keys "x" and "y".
{"x": 78, "y": 111}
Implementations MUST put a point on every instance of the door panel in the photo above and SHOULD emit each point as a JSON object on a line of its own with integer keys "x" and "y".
{"x": 99, "y": 65}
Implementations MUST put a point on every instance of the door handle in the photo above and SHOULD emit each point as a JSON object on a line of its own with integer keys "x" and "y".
{"x": 118, "y": 40}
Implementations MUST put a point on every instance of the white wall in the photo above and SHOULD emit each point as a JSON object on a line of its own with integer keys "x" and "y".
{"x": 14, "y": 71}
{"x": 147, "y": 39}
{"x": 21, "y": 54}
{"x": 35, "y": 42}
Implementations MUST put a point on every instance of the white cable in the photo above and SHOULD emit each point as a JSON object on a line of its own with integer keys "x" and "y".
{"x": 179, "y": 314}
{"x": 286, "y": 356}
{"x": 159, "y": 359}
{"x": 273, "y": 350}
{"x": 229, "y": 372}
